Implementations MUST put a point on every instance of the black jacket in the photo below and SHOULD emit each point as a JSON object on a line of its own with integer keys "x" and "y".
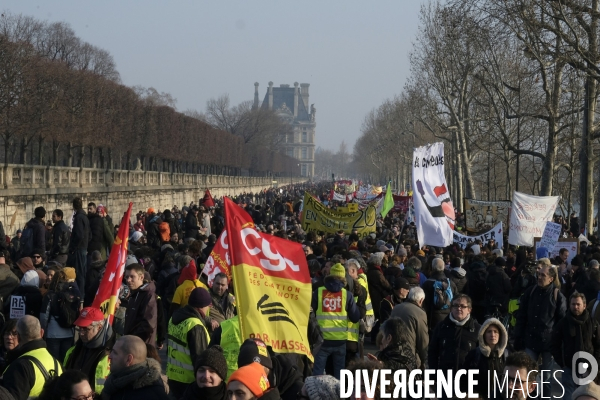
{"x": 450, "y": 344}
{"x": 148, "y": 386}
{"x": 196, "y": 337}
{"x": 33, "y": 300}
{"x": 285, "y": 376}
{"x": 537, "y": 315}
{"x": 97, "y": 231}
{"x": 459, "y": 280}
{"x": 39, "y": 234}
{"x": 152, "y": 232}
{"x": 398, "y": 358}
{"x": 92, "y": 281}
{"x": 60, "y": 239}
{"x": 191, "y": 226}
{"x": 142, "y": 314}
{"x": 19, "y": 378}
{"x": 80, "y": 235}
{"x": 573, "y": 334}
{"x": 193, "y": 392}
{"x": 497, "y": 286}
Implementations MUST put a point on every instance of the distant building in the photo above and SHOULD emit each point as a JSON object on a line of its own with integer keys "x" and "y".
{"x": 291, "y": 104}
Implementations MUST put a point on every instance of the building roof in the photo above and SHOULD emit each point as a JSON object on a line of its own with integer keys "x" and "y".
{"x": 285, "y": 95}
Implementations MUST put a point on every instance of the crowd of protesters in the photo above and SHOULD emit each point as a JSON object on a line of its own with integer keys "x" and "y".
{"x": 489, "y": 307}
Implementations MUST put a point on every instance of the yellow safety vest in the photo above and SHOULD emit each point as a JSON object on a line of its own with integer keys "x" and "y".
{"x": 331, "y": 314}
{"x": 47, "y": 361}
{"x": 231, "y": 341}
{"x": 362, "y": 279}
{"x": 353, "y": 328}
{"x": 101, "y": 373}
{"x": 179, "y": 357}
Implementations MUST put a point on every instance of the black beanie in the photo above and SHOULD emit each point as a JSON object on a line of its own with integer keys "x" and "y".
{"x": 254, "y": 350}
{"x": 214, "y": 359}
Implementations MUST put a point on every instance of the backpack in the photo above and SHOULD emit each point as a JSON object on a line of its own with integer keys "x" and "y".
{"x": 26, "y": 242}
{"x": 442, "y": 294}
{"x": 165, "y": 231}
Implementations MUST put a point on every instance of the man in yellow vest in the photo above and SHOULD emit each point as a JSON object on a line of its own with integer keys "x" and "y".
{"x": 90, "y": 353}
{"x": 360, "y": 297}
{"x": 229, "y": 337}
{"x": 26, "y": 375}
{"x": 187, "y": 338}
{"x": 334, "y": 307}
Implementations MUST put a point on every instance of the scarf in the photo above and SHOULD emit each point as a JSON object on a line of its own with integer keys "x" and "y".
{"x": 126, "y": 377}
{"x": 459, "y": 323}
{"x": 577, "y": 321}
{"x": 207, "y": 393}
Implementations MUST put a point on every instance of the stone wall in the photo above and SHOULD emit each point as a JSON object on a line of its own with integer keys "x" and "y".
{"x": 26, "y": 187}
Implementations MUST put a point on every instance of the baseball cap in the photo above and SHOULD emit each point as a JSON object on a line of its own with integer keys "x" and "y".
{"x": 89, "y": 315}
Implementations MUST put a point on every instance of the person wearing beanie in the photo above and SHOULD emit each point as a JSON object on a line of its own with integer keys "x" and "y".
{"x": 250, "y": 382}
{"x": 187, "y": 281}
{"x": 210, "y": 372}
{"x": 278, "y": 368}
{"x": 322, "y": 387}
{"x": 334, "y": 307}
{"x": 188, "y": 338}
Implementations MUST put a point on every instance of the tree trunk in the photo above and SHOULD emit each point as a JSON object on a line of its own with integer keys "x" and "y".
{"x": 55, "y": 146}
{"x": 40, "y": 150}
{"x": 70, "y": 153}
{"x": 586, "y": 157}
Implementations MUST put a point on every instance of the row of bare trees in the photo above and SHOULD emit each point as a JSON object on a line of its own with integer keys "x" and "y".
{"x": 61, "y": 103}
{"x": 511, "y": 87}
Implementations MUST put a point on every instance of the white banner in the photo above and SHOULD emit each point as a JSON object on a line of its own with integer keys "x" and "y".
{"x": 434, "y": 211}
{"x": 493, "y": 234}
{"x": 529, "y": 216}
{"x": 342, "y": 197}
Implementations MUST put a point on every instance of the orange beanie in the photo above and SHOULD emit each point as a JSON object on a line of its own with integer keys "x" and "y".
{"x": 253, "y": 377}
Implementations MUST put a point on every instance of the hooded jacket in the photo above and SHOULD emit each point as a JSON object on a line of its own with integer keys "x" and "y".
{"x": 484, "y": 359}
{"x": 141, "y": 314}
{"x": 459, "y": 277}
{"x": 141, "y": 381}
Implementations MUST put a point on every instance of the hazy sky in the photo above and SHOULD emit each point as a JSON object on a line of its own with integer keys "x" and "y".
{"x": 353, "y": 53}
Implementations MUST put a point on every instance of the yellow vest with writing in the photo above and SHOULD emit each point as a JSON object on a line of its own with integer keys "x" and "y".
{"x": 179, "y": 357}
{"x": 331, "y": 314}
{"x": 102, "y": 371}
{"x": 46, "y": 359}
{"x": 231, "y": 341}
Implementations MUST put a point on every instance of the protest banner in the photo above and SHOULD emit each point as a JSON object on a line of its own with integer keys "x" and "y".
{"x": 434, "y": 211}
{"x": 493, "y": 234}
{"x": 571, "y": 244}
{"x": 528, "y": 217}
{"x": 272, "y": 285}
{"x": 484, "y": 215}
{"x": 218, "y": 260}
{"x": 318, "y": 218}
{"x": 108, "y": 291}
{"x": 550, "y": 235}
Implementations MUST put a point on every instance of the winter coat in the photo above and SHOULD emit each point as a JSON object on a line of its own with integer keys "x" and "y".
{"x": 379, "y": 287}
{"x": 141, "y": 381}
{"x": 537, "y": 315}
{"x": 141, "y": 314}
{"x": 33, "y": 300}
{"x": 458, "y": 276}
{"x": 60, "y": 239}
{"x": 39, "y": 234}
{"x": 8, "y": 282}
{"x": 97, "y": 231}
{"x": 191, "y": 226}
{"x": 591, "y": 289}
{"x": 498, "y": 288}
{"x": 484, "y": 359}
{"x": 196, "y": 337}
{"x": 285, "y": 377}
{"x": 398, "y": 358}
{"x": 80, "y": 234}
{"x": 193, "y": 392}
{"x": 92, "y": 281}
{"x": 417, "y": 332}
{"x": 218, "y": 312}
{"x": 391, "y": 273}
{"x": 450, "y": 343}
{"x": 435, "y": 316}
{"x": 386, "y": 307}
{"x": 153, "y": 232}
{"x": 476, "y": 284}
{"x": 572, "y": 334}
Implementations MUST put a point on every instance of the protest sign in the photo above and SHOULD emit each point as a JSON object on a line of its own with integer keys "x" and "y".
{"x": 17, "y": 307}
{"x": 550, "y": 235}
{"x": 528, "y": 217}
{"x": 493, "y": 234}
{"x": 318, "y": 218}
{"x": 484, "y": 215}
{"x": 434, "y": 211}
{"x": 571, "y": 244}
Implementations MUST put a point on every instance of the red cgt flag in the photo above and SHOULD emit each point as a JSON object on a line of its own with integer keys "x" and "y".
{"x": 272, "y": 284}
{"x": 208, "y": 200}
{"x": 108, "y": 291}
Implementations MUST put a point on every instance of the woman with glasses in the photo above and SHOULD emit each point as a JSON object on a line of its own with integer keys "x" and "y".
{"x": 10, "y": 341}
{"x": 71, "y": 385}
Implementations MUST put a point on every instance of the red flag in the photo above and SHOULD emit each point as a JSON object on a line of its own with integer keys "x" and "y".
{"x": 272, "y": 284}
{"x": 208, "y": 200}
{"x": 108, "y": 291}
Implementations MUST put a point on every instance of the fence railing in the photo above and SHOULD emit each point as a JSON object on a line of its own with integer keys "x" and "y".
{"x": 32, "y": 176}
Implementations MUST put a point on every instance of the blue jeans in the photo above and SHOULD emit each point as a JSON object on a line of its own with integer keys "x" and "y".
{"x": 58, "y": 347}
{"x": 547, "y": 363}
{"x": 78, "y": 260}
{"x": 337, "y": 352}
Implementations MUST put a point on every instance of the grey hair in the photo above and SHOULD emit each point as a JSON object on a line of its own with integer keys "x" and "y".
{"x": 437, "y": 264}
{"x": 416, "y": 294}
{"x": 28, "y": 328}
{"x": 413, "y": 263}
{"x": 352, "y": 261}
{"x": 375, "y": 259}
{"x": 594, "y": 263}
